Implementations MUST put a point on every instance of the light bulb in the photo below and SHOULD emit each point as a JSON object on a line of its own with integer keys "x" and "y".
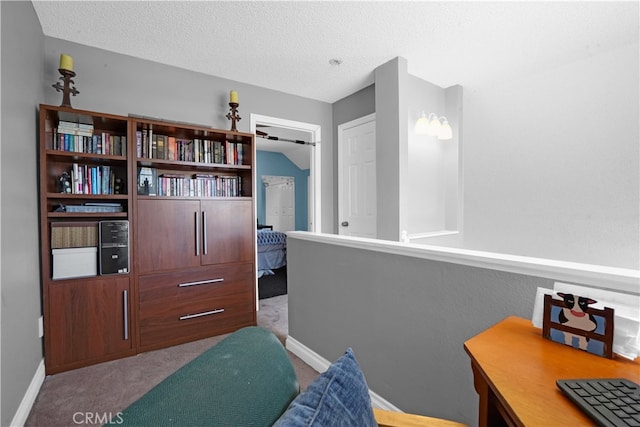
{"x": 422, "y": 125}
{"x": 434, "y": 125}
{"x": 445, "y": 130}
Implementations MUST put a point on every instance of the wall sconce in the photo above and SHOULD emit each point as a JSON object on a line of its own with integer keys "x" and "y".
{"x": 434, "y": 126}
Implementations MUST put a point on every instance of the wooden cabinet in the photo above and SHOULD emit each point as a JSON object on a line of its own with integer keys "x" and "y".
{"x": 195, "y": 232}
{"x": 89, "y": 321}
{"x": 176, "y": 234}
{"x": 84, "y": 176}
{"x": 187, "y": 193}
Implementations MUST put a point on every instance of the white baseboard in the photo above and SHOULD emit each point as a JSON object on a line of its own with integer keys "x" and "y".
{"x": 29, "y": 397}
{"x": 321, "y": 364}
{"x": 309, "y": 356}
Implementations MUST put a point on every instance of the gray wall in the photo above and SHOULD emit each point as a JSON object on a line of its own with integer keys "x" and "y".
{"x": 22, "y": 90}
{"x": 406, "y": 319}
{"x": 121, "y": 84}
{"x": 391, "y": 148}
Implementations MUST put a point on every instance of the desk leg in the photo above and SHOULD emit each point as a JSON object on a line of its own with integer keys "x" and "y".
{"x": 482, "y": 388}
{"x": 488, "y": 412}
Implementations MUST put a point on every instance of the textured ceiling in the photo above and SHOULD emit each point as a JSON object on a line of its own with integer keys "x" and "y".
{"x": 287, "y": 46}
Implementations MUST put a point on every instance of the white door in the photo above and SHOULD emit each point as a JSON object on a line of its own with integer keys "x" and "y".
{"x": 357, "y": 177}
{"x": 280, "y": 208}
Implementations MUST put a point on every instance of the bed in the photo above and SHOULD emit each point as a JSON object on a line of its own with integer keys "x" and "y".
{"x": 272, "y": 251}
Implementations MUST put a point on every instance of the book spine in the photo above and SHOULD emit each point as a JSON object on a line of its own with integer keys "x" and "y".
{"x": 94, "y": 180}
{"x": 138, "y": 143}
{"x": 154, "y": 147}
{"x": 106, "y": 143}
{"x": 74, "y": 178}
{"x": 150, "y": 143}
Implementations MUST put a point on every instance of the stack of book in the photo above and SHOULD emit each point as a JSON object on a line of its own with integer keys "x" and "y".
{"x": 70, "y": 128}
{"x": 81, "y": 138}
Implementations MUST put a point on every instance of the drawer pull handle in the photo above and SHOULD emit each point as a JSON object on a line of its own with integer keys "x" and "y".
{"x": 204, "y": 313}
{"x": 201, "y": 282}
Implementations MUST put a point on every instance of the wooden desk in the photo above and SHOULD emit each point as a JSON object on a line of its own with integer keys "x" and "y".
{"x": 515, "y": 371}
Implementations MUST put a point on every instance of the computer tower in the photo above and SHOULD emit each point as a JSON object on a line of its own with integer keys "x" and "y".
{"x": 114, "y": 247}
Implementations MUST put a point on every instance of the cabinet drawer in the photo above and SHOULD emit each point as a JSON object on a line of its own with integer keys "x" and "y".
{"x": 190, "y": 286}
{"x": 179, "y": 307}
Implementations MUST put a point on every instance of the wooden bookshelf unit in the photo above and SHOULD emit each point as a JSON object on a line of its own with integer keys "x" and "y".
{"x": 187, "y": 192}
{"x": 195, "y": 239}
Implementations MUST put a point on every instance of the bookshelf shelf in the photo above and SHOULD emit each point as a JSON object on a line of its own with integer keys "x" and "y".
{"x": 190, "y": 165}
{"x": 142, "y": 197}
{"x": 61, "y": 196}
{"x": 85, "y": 157}
{"x": 96, "y": 215}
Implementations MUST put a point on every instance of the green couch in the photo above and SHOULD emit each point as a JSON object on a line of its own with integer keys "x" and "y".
{"x": 247, "y": 379}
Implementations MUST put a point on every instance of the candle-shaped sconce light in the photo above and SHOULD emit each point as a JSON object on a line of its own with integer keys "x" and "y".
{"x": 66, "y": 70}
{"x": 233, "y": 114}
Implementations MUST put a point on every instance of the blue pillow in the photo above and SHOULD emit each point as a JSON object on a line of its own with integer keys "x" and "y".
{"x": 338, "y": 397}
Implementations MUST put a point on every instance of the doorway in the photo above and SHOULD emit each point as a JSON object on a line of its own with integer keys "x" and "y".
{"x": 309, "y": 144}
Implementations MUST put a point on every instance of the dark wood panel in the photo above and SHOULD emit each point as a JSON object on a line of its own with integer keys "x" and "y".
{"x": 88, "y": 320}
{"x": 229, "y": 231}
{"x": 167, "y": 235}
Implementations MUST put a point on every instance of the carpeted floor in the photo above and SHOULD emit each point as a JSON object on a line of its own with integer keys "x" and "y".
{"x": 74, "y": 398}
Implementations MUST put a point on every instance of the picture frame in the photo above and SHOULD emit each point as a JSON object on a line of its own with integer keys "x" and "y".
{"x": 147, "y": 181}
{"x": 571, "y": 321}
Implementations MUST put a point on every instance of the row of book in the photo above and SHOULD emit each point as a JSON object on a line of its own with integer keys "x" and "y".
{"x": 150, "y": 145}
{"x": 199, "y": 186}
{"x": 99, "y": 143}
{"x": 89, "y": 179}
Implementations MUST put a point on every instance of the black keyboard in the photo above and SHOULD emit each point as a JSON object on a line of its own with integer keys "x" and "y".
{"x": 607, "y": 401}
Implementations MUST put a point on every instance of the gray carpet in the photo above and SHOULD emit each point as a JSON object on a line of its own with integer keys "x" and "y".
{"x": 74, "y": 398}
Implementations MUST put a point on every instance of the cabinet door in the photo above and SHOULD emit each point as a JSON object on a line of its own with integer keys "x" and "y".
{"x": 229, "y": 231}
{"x": 88, "y": 320}
{"x": 168, "y": 235}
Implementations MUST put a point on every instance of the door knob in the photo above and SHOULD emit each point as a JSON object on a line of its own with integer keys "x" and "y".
{"x": 344, "y": 223}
